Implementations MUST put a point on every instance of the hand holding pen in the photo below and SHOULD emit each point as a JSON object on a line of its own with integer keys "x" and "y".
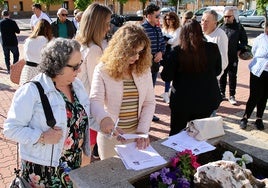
{"x": 111, "y": 129}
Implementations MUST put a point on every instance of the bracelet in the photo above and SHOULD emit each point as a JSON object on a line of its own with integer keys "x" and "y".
{"x": 42, "y": 139}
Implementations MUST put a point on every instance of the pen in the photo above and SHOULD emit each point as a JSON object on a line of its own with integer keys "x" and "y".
{"x": 115, "y": 126}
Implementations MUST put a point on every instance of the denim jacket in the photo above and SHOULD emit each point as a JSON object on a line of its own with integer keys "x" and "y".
{"x": 26, "y": 120}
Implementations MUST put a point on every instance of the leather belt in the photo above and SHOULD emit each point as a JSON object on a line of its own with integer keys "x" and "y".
{"x": 31, "y": 64}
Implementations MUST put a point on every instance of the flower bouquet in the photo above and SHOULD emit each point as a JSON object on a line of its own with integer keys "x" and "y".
{"x": 245, "y": 159}
{"x": 180, "y": 174}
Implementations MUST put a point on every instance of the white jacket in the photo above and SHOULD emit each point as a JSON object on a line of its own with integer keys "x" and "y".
{"x": 26, "y": 120}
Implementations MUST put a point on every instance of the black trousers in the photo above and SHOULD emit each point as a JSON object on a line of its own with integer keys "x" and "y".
{"x": 231, "y": 71}
{"x": 258, "y": 94}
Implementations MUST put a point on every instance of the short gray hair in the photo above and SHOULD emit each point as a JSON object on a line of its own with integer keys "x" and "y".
{"x": 213, "y": 13}
{"x": 56, "y": 54}
{"x": 62, "y": 9}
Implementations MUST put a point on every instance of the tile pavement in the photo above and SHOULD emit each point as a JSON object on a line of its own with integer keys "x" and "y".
{"x": 231, "y": 114}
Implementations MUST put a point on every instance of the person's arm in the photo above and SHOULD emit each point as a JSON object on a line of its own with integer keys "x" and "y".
{"x": 169, "y": 66}
{"x": 97, "y": 95}
{"x": 148, "y": 105}
{"x": 16, "y": 125}
{"x": 17, "y": 29}
{"x": 243, "y": 39}
{"x": 218, "y": 62}
{"x": 222, "y": 41}
{"x": 92, "y": 59}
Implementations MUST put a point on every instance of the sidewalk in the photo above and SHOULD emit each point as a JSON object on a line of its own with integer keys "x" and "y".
{"x": 231, "y": 114}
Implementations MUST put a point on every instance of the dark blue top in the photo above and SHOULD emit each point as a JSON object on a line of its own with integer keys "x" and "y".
{"x": 8, "y": 29}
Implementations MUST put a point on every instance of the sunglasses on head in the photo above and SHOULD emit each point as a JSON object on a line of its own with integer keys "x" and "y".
{"x": 64, "y": 14}
{"x": 75, "y": 67}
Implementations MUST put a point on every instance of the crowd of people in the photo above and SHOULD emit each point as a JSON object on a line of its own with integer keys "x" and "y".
{"x": 99, "y": 89}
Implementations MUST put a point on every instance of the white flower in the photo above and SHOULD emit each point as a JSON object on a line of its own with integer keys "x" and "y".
{"x": 247, "y": 158}
{"x": 228, "y": 156}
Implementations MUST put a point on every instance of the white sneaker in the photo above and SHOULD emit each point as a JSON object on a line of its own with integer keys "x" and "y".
{"x": 232, "y": 100}
{"x": 166, "y": 97}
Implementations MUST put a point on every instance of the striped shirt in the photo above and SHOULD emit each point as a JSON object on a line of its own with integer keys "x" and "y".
{"x": 155, "y": 35}
{"x": 129, "y": 108}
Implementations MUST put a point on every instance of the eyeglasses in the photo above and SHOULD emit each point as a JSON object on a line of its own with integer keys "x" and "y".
{"x": 157, "y": 16}
{"x": 75, "y": 67}
{"x": 64, "y": 14}
{"x": 137, "y": 53}
{"x": 228, "y": 16}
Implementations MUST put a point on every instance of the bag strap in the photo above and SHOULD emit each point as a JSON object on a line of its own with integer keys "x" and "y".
{"x": 45, "y": 103}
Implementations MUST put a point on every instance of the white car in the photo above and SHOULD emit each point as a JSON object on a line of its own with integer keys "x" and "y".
{"x": 219, "y": 9}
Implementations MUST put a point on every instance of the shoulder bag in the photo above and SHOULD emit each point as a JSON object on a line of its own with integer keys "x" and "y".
{"x": 206, "y": 128}
{"x": 15, "y": 71}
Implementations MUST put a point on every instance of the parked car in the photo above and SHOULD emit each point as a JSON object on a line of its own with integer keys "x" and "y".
{"x": 219, "y": 9}
{"x": 252, "y": 18}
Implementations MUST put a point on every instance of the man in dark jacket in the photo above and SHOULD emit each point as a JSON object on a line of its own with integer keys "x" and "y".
{"x": 237, "y": 40}
{"x": 152, "y": 16}
{"x": 63, "y": 27}
{"x": 8, "y": 29}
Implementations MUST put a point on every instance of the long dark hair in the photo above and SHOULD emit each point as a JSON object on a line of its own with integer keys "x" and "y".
{"x": 193, "y": 55}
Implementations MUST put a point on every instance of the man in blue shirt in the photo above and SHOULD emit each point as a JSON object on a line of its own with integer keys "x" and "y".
{"x": 153, "y": 31}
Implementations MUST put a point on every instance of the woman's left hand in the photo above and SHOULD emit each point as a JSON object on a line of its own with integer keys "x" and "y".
{"x": 142, "y": 143}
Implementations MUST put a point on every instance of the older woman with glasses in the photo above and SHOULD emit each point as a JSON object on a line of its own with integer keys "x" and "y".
{"x": 49, "y": 154}
{"x": 122, "y": 89}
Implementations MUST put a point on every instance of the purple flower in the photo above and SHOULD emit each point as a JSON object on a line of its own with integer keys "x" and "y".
{"x": 183, "y": 183}
{"x": 154, "y": 175}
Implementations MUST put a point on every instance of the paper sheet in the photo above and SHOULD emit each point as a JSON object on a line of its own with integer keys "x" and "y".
{"x": 133, "y": 136}
{"x": 182, "y": 141}
{"x": 136, "y": 159}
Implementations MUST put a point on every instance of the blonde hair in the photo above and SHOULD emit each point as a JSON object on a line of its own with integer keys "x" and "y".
{"x": 121, "y": 47}
{"x": 93, "y": 24}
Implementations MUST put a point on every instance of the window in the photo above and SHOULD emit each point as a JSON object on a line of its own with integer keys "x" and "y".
{"x": 21, "y": 6}
{"x": 6, "y": 7}
{"x": 65, "y": 5}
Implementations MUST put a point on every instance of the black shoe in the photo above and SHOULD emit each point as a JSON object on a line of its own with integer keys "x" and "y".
{"x": 95, "y": 153}
{"x": 155, "y": 118}
{"x": 259, "y": 124}
{"x": 243, "y": 123}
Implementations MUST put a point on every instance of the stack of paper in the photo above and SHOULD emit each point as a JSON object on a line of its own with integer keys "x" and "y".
{"x": 136, "y": 159}
{"x": 182, "y": 141}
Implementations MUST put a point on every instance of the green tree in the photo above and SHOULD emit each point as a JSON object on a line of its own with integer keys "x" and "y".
{"x": 262, "y": 6}
{"x": 82, "y": 4}
{"x": 121, "y": 6}
{"x": 47, "y": 3}
{"x": 1, "y": 4}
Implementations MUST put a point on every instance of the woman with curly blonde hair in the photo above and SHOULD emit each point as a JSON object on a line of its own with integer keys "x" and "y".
{"x": 122, "y": 89}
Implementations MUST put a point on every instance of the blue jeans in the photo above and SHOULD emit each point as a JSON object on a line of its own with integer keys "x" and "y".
{"x": 167, "y": 87}
{"x": 15, "y": 51}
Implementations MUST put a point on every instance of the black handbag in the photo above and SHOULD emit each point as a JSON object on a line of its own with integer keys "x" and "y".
{"x": 19, "y": 181}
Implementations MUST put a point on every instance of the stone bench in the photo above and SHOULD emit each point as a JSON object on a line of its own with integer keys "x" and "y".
{"x": 112, "y": 172}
